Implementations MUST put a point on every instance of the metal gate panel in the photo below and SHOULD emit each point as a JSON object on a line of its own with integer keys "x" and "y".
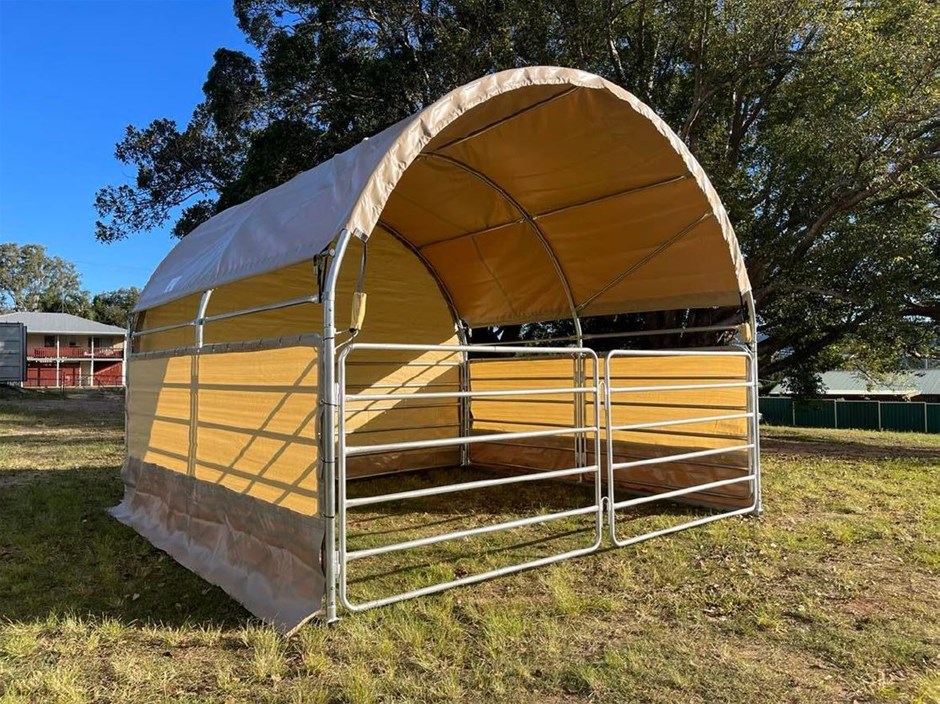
{"x": 700, "y": 411}
{"x": 581, "y": 428}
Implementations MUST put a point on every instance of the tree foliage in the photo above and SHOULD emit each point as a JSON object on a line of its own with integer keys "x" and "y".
{"x": 31, "y": 280}
{"x": 818, "y": 121}
{"x": 115, "y": 307}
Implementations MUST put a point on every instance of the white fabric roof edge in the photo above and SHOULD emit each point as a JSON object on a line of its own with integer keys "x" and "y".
{"x": 295, "y": 221}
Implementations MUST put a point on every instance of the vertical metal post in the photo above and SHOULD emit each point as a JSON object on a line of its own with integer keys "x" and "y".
{"x": 879, "y": 415}
{"x": 835, "y": 413}
{"x": 198, "y": 326}
{"x": 925, "y": 417}
{"x": 58, "y": 379}
{"x": 127, "y": 391}
{"x": 576, "y": 403}
{"x": 754, "y": 452}
{"x": 463, "y": 408}
{"x": 328, "y": 404}
{"x": 755, "y": 418}
{"x": 92, "y": 363}
{"x": 126, "y": 355}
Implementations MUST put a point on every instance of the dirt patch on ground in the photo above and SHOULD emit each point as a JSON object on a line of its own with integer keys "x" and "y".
{"x": 41, "y": 410}
{"x": 806, "y": 447}
{"x": 8, "y": 479}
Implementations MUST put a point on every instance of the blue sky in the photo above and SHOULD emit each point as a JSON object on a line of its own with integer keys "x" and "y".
{"x": 73, "y": 74}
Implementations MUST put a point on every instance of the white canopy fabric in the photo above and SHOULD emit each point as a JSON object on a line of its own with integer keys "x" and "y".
{"x": 530, "y": 194}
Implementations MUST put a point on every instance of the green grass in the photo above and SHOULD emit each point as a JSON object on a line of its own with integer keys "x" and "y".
{"x": 834, "y": 595}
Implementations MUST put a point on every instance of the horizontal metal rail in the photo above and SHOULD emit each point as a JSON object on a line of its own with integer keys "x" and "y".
{"x": 310, "y": 339}
{"x": 620, "y": 542}
{"x": 681, "y": 492}
{"x": 679, "y": 387}
{"x": 228, "y": 314}
{"x": 568, "y": 390}
{"x": 570, "y": 351}
{"x": 732, "y": 351}
{"x": 261, "y": 309}
{"x": 472, "y": 579}
{"x": 467, "y": 486}
{"x": 678, "y": 458}
{"x": 398, "y": 429}
{"x": 164, "y": 328}
{"x": 469, "y": 532}
{"x": 681, "y": 421}
{"x": 352, "y": 450}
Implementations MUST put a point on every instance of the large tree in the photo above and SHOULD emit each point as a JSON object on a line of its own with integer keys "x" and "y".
{"x": 31, "y": 280}
{"x": 817, "y": 120}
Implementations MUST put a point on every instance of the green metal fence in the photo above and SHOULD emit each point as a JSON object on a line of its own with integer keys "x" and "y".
{"x": 865, "y": 415}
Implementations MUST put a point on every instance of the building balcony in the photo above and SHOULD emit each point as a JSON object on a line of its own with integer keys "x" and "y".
{"x": 76, "y": 353}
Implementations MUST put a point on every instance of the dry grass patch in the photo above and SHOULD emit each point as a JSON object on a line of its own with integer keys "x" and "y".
{"x": 831, "y": 596}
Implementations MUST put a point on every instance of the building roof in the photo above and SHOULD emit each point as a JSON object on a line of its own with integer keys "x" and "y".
{"x": 916, "y": 382}
{"x": 60, "y": 323}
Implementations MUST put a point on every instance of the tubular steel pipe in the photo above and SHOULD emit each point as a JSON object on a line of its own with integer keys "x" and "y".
{"x": 680, "y": 387}
{"x": 451, "y": 442}
{"x": 755, "y": 405}
{"x": 682, "y": 526}
{"x": 469, "y": 532}
{"x": 472, "y": 579}
{"x": 682, "y": 421}
{"x": 683, "y": 456}
{"x": 561, "y": 391}
{"x": 328, "y": 404}
{"x": 681, "y": 492}
{"x": 466, "y": 486}
{"x": 261, "y": 308}
{"x": 164, "y": 328}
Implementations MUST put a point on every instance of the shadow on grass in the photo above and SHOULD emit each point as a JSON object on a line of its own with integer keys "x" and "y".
{"x": 61, "y": 552}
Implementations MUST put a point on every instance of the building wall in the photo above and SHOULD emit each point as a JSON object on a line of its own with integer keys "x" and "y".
{"x": 73, "y": 373}
{"x": 77, "y": 365}
{"x": 36, "y": 343}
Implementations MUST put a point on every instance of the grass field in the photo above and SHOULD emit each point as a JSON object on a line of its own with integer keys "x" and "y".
{"x": 832, "y": 596}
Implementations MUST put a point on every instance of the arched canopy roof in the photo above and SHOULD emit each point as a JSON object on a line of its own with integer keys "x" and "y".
{"x": 531, "y": 194}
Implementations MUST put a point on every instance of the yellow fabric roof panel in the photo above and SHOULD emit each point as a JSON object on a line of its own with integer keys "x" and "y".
{"x": 529, "y": 193}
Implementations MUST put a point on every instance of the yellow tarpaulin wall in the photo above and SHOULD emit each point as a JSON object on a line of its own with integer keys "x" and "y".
{"x": 523, "y": 413}
{"x": 255, "y": 411}
{"x": 223, "y": 443}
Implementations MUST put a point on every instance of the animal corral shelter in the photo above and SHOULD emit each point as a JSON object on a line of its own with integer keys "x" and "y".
{"x": 320, "y": 333}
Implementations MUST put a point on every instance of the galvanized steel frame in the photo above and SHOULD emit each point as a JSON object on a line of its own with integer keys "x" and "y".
{"x": 344, "y": 556}
{"x": 752, "y": 446}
